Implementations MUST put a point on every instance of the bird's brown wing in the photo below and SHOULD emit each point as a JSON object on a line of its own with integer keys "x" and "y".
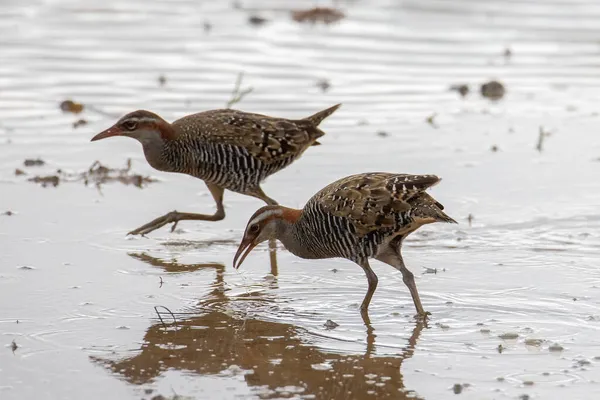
{"x": 371, "y": 201}
{"x": 266, "y": 138}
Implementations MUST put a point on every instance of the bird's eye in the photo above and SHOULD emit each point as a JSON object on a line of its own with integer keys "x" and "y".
{"x": 253, "y": 228}
{"x": 130, "y": 125}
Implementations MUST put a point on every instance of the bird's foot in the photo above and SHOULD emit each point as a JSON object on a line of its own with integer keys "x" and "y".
{"x": 159, "y": 222}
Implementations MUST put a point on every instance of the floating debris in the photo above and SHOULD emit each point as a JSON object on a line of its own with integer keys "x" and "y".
{"x": 500, "y": 348}
{"x": 238, "y": 93}
{"x": 528, "y": 383}
{"x": 79, "y": 122}
{"x": 494, "y": 149}
{"x": 8, "y": 213}
{"x": 19, "y": 172}
{"x": 323, "y": 84}
{"x": 97, "y": 174}
{"x": 462, "y": 89}
{"x": 30, "y": 162}
{"x": 71, "y": 106}
{"x": 207, "y": 26}
{"x": 14, "y": 346}
{"x": 493, "y": 90}
{"x": 329, "y": 324}
{"x": 541, "y": 137}
{"x": 325, "y": 15}
{"x": 383, "y": 134}
{"x": 508, "y": 53}
{"x": 45, "y": 181}
{"x": 470, "y": 218}
{"x": 255, "y": 20}
{"x": 431, "y": 120}
{"x": 430, "y": 270}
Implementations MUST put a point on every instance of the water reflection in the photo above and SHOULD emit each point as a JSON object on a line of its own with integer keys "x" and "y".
{"x": 273, "y": 357}
{"x": 174, "y": 266}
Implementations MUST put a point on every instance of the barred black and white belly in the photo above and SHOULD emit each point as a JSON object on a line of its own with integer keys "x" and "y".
{"x": 229, "y": 166}
{"x": 323, "y": 235}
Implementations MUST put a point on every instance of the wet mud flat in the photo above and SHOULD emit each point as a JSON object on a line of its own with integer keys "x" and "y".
{"x": 500, "y": 101}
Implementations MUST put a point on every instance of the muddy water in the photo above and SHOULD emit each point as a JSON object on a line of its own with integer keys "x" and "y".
{"x": 514, "y": 295}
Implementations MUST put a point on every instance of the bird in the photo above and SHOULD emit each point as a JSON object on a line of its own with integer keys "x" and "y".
{"x": 227, "y": 149}
{"x": 359, "y": 217}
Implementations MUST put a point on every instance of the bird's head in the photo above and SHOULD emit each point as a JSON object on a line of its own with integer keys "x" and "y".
{"x": 266, "y": 223}
{"x": 142, "y": 125}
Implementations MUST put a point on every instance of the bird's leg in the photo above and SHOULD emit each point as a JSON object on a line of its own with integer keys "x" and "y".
{"x": 175, "y": 217}
{"x": 273, "y": 256}
{"x": 259, "y": 194}
{"x": 393, "y": 257}
{"x": 372, "y": 279}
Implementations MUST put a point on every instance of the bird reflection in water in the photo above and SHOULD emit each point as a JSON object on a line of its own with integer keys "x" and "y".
{"x": 271, "y": 355}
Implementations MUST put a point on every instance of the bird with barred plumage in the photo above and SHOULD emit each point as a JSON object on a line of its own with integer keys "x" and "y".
{"x": 358, "y": 217}
{"x": 227, "y": 149}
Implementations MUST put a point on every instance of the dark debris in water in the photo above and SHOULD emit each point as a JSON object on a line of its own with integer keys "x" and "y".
{"x": 33, "y": 162}
{"x": 8, "y": 213}
{"x": 329, "y": 324}
{"x": 71, "y": 106}
{"x": 493, "y": 90}
{"x": 19, "y": 172}
{"x": 324, "y": 15}
{"x": 97, "y": 174}
{"x": 45, "y": 181}
{"x": 541, "y": 138}
{"x": 323, "y": 84}
{"x": 462, "y": 89}
{"x": 79, "y": 122}
{"x": 431, "y": 120}
{"x": 162, "y": 80}
{"x": 14, "y": 346}
{"x": 256, "y": 20}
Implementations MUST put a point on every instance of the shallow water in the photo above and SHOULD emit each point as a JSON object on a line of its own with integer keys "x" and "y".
{"x": 515, "y": 297}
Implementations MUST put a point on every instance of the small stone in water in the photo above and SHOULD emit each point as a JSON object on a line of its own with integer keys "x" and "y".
{"x": 508, "y": 335}
{"x": 533, "y": 342}
{"x": 329, "y": 324}
{"x": 493, "y": 90}
{"x": 555, "y": 347}
{"x": 457, "y": 388}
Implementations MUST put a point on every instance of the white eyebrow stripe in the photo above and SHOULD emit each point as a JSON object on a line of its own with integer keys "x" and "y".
{"x": 264, "y": 215}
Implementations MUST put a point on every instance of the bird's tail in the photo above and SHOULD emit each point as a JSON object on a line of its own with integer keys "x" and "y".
{"x": 430, "y": 210}
{"x": 317, "y": 118}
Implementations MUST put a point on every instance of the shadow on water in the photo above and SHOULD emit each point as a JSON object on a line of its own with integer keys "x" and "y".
{"x": 212, "y": 340}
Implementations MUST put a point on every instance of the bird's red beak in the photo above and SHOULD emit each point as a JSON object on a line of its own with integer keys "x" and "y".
{"x": 247, "y": 245}
{"x": 112, "y": 131}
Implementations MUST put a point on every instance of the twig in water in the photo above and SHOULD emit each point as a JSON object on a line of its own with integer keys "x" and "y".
{"x": 541, "y": 137}
{"x": 238, "y": 94}
{"x": 161, "y": 281}
{"x": 160, "y": 316}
